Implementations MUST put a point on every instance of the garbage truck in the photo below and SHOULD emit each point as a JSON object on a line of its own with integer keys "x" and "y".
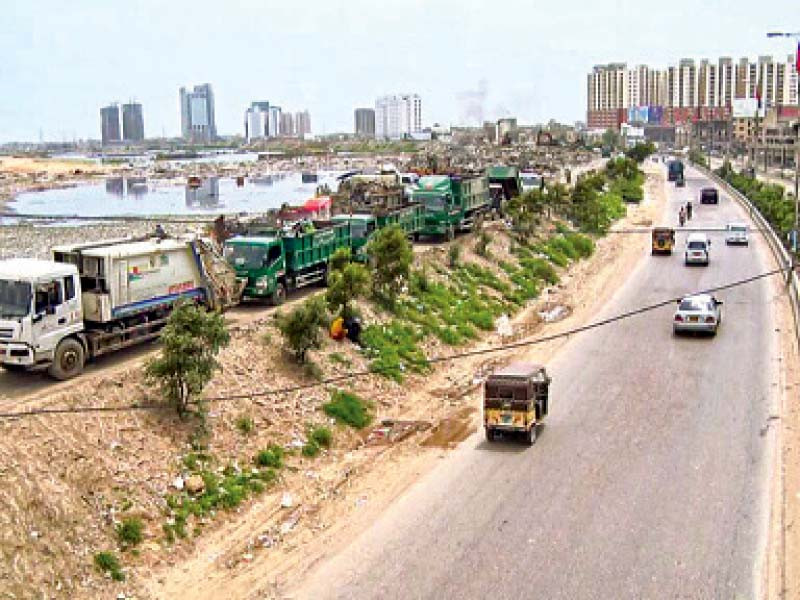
{"x": 451, "y": 202}
{"x": 95, "y": 298}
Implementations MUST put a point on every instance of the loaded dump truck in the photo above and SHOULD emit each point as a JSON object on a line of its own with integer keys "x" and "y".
{"x": 674, "y": 170}
{"x": 272, "y": 261}
{"x": 452, "y": 202}
{"x": 96, "y": 298}
{"x": 364, "y": 224}
{"x": 504, "y": 184}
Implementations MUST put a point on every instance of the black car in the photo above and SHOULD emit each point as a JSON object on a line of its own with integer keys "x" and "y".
{"x": 709, "y": 196}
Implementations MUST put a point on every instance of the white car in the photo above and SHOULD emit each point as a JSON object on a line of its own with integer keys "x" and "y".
{"x": 700, "y": 313}
{"x": 736, "y": 233}
{"x": 698, "y": 247}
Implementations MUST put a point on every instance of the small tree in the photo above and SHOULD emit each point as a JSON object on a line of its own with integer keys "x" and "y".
{"x": 301, "y": 327}
{"x": 191, "y": 340}
{"x": 391, "y": 255}
{"x": 345, "y": 286}
{"x": 340, "y": 259}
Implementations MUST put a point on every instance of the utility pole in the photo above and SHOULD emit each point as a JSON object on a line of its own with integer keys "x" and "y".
{"x": 796, "y": 36}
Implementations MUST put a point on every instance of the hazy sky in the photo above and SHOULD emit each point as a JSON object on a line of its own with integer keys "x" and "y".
{"x": 61, "y": 61}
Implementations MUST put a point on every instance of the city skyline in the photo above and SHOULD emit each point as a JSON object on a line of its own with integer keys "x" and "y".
{"x": 534, "y": 77}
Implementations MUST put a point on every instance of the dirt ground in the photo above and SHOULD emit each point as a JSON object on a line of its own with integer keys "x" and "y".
{"x": 234, "y": 561}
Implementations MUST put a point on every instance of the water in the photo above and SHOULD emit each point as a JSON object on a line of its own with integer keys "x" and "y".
{"x": 131, "y": 196}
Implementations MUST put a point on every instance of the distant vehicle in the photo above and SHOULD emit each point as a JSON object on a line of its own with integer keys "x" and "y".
{"x": 700, "y": 313}
{"x": 515, "y": 400}
{"x": 698, "y": 247}
{"x": 504, "y": 184}
{"x": 663, "y": 240}
{"x": 605, "y": 153}
{"x": 530, "y": 181}
{"x": 451, "y": 202}
{"x": 674, "y": 170}
{"x": 709, "y": 196}
{"x": 736, "y": 233}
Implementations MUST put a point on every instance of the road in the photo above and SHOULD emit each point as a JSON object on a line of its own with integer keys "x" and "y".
{"x": 648, "y": 480}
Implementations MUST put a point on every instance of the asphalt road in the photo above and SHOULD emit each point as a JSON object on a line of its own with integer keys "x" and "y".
{"x": 648, "y": 480}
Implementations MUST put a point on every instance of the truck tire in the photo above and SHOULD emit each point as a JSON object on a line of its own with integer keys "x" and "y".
{"x": 279, "y": 295}
{"x": 530, "y": 436}
{"x": 68, "y": 360}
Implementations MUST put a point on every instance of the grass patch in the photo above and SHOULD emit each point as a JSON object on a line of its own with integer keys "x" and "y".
{"x": 322, "y": 436}
{"x": 130, "y": 532}
{"x": 310, "y": 449}
{"x": 393, "y": 349}
{"x": 108, "y": 563}
{"x": 339, "y": 358}
{"x": 348, "y": 408}
{"x": 245, "y": 424}
{"x": 271, "y": 456}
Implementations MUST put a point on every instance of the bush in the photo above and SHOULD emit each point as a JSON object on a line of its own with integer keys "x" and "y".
{"x": 310, "y": 449}
{"x": 321, "y": 436}
{"x": 301, "y": 327}
{"x": 130, "y": 532}
{"x": 245, "y": 424}
{"x": 107, "y": 562}
{"x": 190, "y": 342}
{"x": 272, "y": 457}
{"x": 345, "y": 286}
{"x": 348, "y": 408}
{"x": 391, "y": 255}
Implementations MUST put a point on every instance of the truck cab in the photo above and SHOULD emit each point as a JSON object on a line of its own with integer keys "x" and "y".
{"x": 261, "y": 262}
{"x": 39, "y": 307}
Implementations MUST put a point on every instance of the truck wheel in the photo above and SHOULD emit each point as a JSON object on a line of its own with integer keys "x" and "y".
{"x": 530, "y": 435}
{"x": 68, "y": 360}
{"x": 489, "y": 434}
{"x": 279, "y": 295}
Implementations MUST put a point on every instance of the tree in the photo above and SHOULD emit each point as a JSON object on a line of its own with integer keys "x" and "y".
{"x": 391, "y": 256}
{"x": 191, "y": 340}
{"x": 611, "y": 139}
{"x": 640, "y": 151}
{"x": 345, "y": 285}
{"x": 340, "y": 259}
{"x": 301, "y": 327}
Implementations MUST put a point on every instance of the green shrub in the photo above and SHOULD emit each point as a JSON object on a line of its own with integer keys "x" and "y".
{"x": 272, "y": 457}
{"x": 348, "y": 408}
{"x": 582, "y": 244}
{"x": 322, "y": 436}
{"x": 130, "y": 532}
{"x": 107, "y": 562}
{"x": 310, "y": 449}
{"x": 393, "y": 349}
{"x": 245, "y": 424}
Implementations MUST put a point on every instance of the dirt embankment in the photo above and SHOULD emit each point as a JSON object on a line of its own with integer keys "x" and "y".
{"x": 69, "y": 479}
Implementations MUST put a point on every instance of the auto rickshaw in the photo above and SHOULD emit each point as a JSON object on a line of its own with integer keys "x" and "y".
{"x": 515, "y": 400}
{"x": 663, "y": 240}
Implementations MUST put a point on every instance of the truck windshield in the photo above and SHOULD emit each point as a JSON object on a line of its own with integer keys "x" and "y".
{"x": 246, "y": 256}
{"x": 435, "y": 203}
{"x": 360, "y": 229}
{"x": 15, "y": 299}
{"x": 531, "y": 181}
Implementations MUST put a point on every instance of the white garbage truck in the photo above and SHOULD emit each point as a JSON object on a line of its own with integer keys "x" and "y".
{"x": 95, "y": 298}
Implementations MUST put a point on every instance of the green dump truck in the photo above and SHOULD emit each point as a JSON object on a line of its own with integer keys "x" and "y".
{"x": 451, "y": 202}
{"x": 364, "y": 224}
{"x": 276, "y": 261}
{"x": 504, "y": 184}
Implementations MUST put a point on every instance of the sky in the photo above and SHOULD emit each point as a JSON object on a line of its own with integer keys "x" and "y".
{"x": 469, "y": 60}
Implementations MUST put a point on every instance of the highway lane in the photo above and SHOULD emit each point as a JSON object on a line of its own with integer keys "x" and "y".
{"x": 647, "y": 482}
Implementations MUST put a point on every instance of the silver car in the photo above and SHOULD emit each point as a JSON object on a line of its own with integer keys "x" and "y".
{"x": 698, "y": 313}
{"x": 736, "y": 233}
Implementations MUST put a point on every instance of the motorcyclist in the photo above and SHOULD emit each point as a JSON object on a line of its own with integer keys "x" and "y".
{"x": 689, "y": 210}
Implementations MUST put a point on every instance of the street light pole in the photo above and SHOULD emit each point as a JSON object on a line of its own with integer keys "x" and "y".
{"x": 794, "y": 35}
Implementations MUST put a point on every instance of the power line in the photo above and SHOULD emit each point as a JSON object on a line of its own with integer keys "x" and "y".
{"x": 364, "y": 373}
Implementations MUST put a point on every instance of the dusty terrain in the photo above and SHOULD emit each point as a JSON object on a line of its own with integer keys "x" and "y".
{"x": 69, "y": 479}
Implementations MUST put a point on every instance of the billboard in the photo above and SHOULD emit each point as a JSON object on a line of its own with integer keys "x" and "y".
{"x": 746, "y": 108}
{"x": 655, "y": 115}
{"x": 637, "y": 114}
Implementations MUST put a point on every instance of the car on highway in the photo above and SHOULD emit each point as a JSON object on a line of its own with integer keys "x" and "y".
{"x": 698, "y": 248}
{"x": 736, "y": 233}
{"x": 709, "y": 195}
{"x": 697, "y": 313}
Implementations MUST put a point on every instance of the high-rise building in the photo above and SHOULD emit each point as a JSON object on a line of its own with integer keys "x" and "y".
{"x": 132, "y": 122}
{"x": 365, "y": 122}
{"x": 197, "y": 114}
{"x": 109, "y": 124}
{"x": 302, "y": 123}
{"x": 274, "y": 121}
{"x": 687, "y": 92}
{"x": 398, "y": 115}
{"x": 256, "y": 121}
{"x": 287, "y": 125}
